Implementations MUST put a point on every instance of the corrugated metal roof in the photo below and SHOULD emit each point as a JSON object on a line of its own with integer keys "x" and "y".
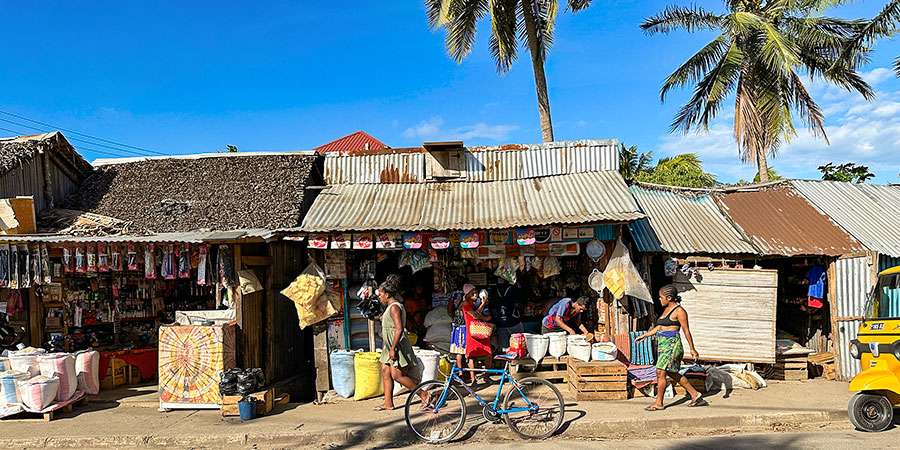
{"x": 575, "y": 198}
{"x": 683, "y": 223}
{"x": 497, "y": 163}
{"x": 781, "y": 222}
{"x": 359, "y": 140}
{"x": 377, "y": 168}
{"x": 868, "y": 212}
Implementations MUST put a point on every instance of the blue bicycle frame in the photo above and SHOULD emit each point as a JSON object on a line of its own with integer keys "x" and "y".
{"x": 454, "y": 376}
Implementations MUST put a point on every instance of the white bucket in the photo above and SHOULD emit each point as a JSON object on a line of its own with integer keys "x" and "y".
{"x": 604, "y": 351}
{"x": 580, "y": 350}
{"x": 428, "y": 364}
{"x": 557, "y": 343}
{"x": 537, "y": 346}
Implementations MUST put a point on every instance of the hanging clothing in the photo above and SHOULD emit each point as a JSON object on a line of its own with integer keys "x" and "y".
{"x": 816, "y": 293}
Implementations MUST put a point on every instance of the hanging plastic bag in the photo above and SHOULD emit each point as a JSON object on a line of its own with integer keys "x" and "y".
{"x": 622, "y": 278}
{"x": 14, "y": 266}
{"x": 24, "y": 267}
{"x": 184, "y": 261}
{"x": 306, "y": 293}
{"x": 415, "y": 259}
{"x": 4, "y": 265}
{"x": 150, "y": 261}
{"x": 507, "y": 269}
{"x": 45, "y": 264}
{"x": 203, "y": 266}
{"x": 551, "y": 267}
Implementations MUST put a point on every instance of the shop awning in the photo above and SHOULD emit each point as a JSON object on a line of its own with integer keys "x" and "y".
{"x": 683, "y": 222}
{"x": 192, "y": 237}
{"x": 564, "y": 199}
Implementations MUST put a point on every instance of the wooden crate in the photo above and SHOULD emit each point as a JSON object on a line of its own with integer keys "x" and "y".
{"x": 597, "y": 380}
{"x": 263, "y": 406}
{"x": 791, "y": 367}
{"x": 550, "y": 368}
{"x": 116, "y": 375}
{"x": 821, "y": 365}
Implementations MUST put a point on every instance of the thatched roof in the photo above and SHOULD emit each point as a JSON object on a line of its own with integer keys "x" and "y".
{"x": 79, "y": 223}
{"x": 221, "y": 192}
{"x": 15, "y": 151}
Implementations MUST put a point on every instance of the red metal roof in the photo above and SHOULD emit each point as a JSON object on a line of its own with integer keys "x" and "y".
{"x": 352, "y": 142}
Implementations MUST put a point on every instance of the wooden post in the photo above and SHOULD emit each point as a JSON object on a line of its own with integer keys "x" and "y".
{"x": 238, "y": 305}
{"x": 832, "y": 307}
{"x": 320, "y": 355}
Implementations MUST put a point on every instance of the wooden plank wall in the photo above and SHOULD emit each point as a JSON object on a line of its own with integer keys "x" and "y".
{"x": 28, "y": 179}
{"x": 252, "y": 313}
{"x": 289, "y": 350}
{"x": 731, "y": 314}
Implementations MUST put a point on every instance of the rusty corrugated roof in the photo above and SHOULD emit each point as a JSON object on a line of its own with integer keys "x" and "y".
{"x": 779, "y": 221}
{"x": 563, "y": 199}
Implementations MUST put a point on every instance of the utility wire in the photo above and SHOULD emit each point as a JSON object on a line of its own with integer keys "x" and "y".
{"x": 81, "y": 134}
{"x": 19, "y": 133}
{"x": 125, "y": 153}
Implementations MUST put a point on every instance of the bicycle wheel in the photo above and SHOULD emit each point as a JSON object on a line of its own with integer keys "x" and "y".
{"x": 547, "y": 415}
{"x": 432, "y": 426}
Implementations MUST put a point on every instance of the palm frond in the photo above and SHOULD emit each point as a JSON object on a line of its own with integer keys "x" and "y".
{"x": 675, "y": 17}
{"x": 710, "y": 92}
{"x": 504, "y": 45}
{"x": 544, "y": 13}
{"x": 897, "y": 66}
{"x": 696, "y": 66}
{"x": 463, "y": 17}
{"x": 886, "y": 23}
{"x": 578, "y": 5}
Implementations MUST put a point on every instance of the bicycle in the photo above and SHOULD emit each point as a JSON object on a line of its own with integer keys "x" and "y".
{"x": 533, "y": 409}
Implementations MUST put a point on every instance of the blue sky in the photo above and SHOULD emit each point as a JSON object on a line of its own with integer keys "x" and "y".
{"x": 189, "y": 77}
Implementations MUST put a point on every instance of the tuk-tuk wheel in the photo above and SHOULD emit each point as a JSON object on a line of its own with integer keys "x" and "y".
{"x": 870, "y": 412}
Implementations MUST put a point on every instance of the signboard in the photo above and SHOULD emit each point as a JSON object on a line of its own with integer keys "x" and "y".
{"x": 362, "y": 241}
{"x": 585, "y": 233}
{"x": 556, "y": 234}
{"x": 388, "y": 240}
{"x": 570, "y": 233}
{"x": 525, "y": 236}
{"x": 454, "y": 238}
{"x": 499, "y": 237}
{"x": 565, "y": 249}
{"x": 541, "y": 235}
{"x": 336, "y": 264}
{"x": 471, "y": 239}
{"x": 439, "y": 242}
{"x": 413, "y": 240}
{"x": 341, "y": 241}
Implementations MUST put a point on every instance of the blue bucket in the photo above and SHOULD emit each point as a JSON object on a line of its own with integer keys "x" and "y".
{"x": 247, "y": 410}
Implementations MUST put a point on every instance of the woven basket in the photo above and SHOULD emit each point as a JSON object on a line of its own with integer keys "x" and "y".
{"x": 480, "y": 330}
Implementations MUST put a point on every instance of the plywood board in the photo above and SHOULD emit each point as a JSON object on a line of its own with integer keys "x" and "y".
{"x": 731, "y": 313}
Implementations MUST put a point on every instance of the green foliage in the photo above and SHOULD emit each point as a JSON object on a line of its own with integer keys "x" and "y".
{"x": 684, "y": 170}
{"x": 847, "y": 172}
{"x": 760, "y": 52}
{"x": 773, "y": 176}
{"x": 885, "y": 24}
{"x": 631, "y": 163}
{"x": 231, "y": 149}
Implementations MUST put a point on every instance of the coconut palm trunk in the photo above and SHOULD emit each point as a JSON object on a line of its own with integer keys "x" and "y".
{"x": 537, "y": 63}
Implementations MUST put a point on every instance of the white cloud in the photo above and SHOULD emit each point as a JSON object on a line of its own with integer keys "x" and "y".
{"x": 579, "y": 124}
{"x": 866, "y": 133}
{"x": 433, "y": 128}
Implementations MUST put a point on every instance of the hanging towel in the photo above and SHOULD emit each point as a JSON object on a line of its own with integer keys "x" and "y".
{"x": 623, "y": 343}
{"x": 641, "y": 353}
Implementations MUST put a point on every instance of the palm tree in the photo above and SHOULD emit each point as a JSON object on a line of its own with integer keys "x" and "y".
{"x": 684, "y": 170}
{"x": 886, "y": 23}
{"x": 762, "y": 49}
{"x": 529, "y": 21}
{"x": 632, "y": 163}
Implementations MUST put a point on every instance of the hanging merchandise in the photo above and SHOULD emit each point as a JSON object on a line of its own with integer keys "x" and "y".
{"x": 622, "y": 278}
{"x": 37, "y": 277}
{"x": 225, "y": 267}
{"x": 415, "y": 259}
{"x": 4, "y": 265}
{"x": 68, "y": 259}
{"x": 595, "y": 250}
{"x": 168, "y": 265}
{"x": 13, "y": 266}
{"x": 184, "y": 261}
{"x": 24, "y": 267}
{"x": 203, "y": 266}
{"x": 670, "y": 267}
{"x": 150, "y": 261}
{"x": 132, "y": 258}
{"x": 102, "y": 258}
{"x": 507, "y": 269}
{"x": 45, "y": 264}
{"x": 551, "y": 266}
{"x": 115, "y": 257}
{"x": 306, "y": 293}
{"x": 91, "y": 258}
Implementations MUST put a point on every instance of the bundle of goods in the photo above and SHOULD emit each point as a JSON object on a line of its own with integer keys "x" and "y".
{"x": 9, "y": 387}
{"x": 343, "y": 373}
{"x": 25, "y": 360}
{"x": 438, "y": 328}
{"x": 428, "y": 361}
{"x": 579, "y": 348}
{"x": 557, "y": 343}
{"x": 62, "y": 367}
{"x": 306, "y": 291}
{"x": 250, "y": 381}
{"x": 517, "y": 346}
{"x": 537, "y": 345}
{"x": 4, "y": 364}
{"x": 87, "y": 369}
{"x": 368, "y": 376}
{"x": 228, "y": 382}
{"x": 39, "y": 393}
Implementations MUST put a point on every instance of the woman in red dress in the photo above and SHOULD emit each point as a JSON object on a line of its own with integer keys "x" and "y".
{"x": 476, "y": 347}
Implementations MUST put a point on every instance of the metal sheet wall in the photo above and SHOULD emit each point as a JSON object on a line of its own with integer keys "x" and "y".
{"x": 386, "y": 168}
{"x": 851, "y": 284}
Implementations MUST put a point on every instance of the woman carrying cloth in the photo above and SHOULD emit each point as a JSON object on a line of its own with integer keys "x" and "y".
{"x": 670, "y": 350}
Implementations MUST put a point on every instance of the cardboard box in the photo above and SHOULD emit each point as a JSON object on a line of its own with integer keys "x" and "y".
{"x": 263, "y": 406}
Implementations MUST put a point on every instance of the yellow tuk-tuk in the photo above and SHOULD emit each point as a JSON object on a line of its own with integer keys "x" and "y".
{"x": 878, "y": 348}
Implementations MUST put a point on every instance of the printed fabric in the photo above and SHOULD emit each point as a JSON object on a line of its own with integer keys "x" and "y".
{"x": 474, "y": 347}
{"x": 670, "y": 352}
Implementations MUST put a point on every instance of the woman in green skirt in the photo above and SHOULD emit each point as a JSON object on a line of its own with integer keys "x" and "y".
{"x": 398, "y": 362}
{"x": 669, "y": 348}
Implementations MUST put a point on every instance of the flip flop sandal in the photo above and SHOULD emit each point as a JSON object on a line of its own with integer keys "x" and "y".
{"x": 381, "y": 408}
{"x": 654, "y": 408}
{"x": 698, "y": 402}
